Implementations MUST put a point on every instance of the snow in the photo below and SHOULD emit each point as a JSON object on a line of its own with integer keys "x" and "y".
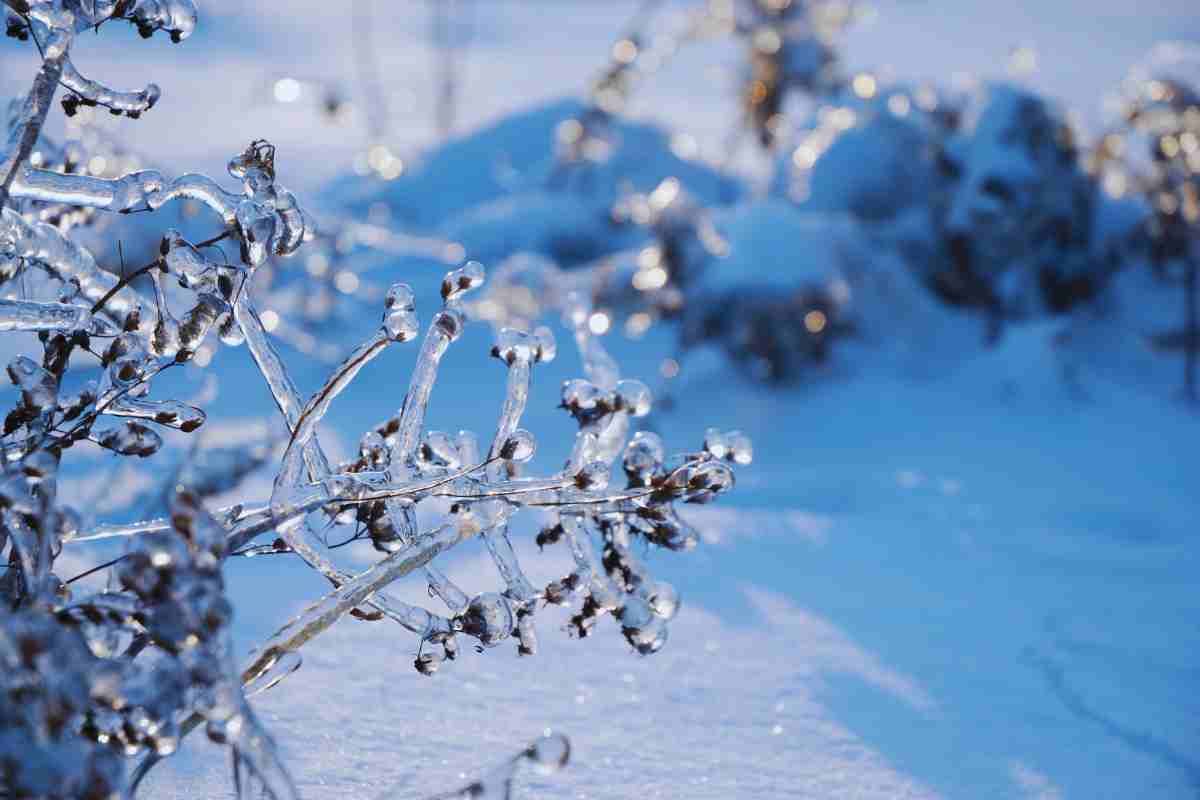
{"x": 952, "y": 571}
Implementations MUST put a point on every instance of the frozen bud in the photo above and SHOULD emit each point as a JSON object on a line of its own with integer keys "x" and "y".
{"x": 519, "y": 447}
{"x": 176, "y": 17}
{"x": 289, "y": 233}
{"x": 256, "y": 223}
{"x": 643, "y": 457}
{"x": 741, "y": 449}
{"x": 449, "y": 322}
{"x": 164, "y": 339}
{"x": 224, "y": 730}
{"x": 581, "y": 396}
{"x": 634, "y": 396}
{"x": 593, "y": 477}
{"x": 489, "y": 618}
{"x": 715, "y": 444}
{"x": 732, "y": 446}
{"x": 549, "y": 535}
{"x": 198, "y": 320}
{"x": 438, "y": 449}
{"x": 513, "y": 345}
{"x": 38, "y": 465}
{"x": 527, "y": 644}
{"x": 400, "y": 324}
{"x": 384, "y": 536}
{"x": 546, "y": 346}
{"x": 230, "y": 332}
{"x": 400, "y": 297}
{"x": 130, "y": 439}
{"x": 635, "y": 613}
{"x": 708, "y": 479}
{"x": 372, "y": 448}
{"x": 428, "y": 663}
{"x": 673, "y": 533}
{"x": 39, "y": 390}
{"x": 649, "y": 639}
{"x": 663, "y": 600}
{"x": 549, "y": 753}
{"x": 186, "y": 263}
{"x": 74, "y": 405}
{"x": 675, "y": 481}
{"x": 462, "y": 280}
{"x": 559, "y": 592}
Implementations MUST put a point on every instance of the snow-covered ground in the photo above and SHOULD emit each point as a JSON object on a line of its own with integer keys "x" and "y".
{"x": 974, "y": 580}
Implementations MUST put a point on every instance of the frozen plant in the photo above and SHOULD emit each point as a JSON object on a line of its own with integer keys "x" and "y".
{"x": 93, "y": 681}
{"x": 791, "y": 46}
{"x": 1160, "y": 116}
{"x": 547, "y": 755}
{"x": 89, "y": 682}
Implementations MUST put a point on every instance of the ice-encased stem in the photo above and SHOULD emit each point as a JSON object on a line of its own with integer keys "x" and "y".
{"x": 599, "y": 367}
{"x": 604, "y": 592}
{"x": 499, "y": 546}
{"x": 321, "y": 615}
{"x": 33, "y": 115}
{"x": 135, "y": 102}
{"x": 314, "y": 411}
{"x": 28, "y": 315}
{"x": 283, "y": 388}
{"x": 455, "y": 598}
{"x": 46, "y": 247}
{"x": 420, "y": 386}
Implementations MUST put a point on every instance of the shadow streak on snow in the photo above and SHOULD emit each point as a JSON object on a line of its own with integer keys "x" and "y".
{"x": 1141, "y": 741}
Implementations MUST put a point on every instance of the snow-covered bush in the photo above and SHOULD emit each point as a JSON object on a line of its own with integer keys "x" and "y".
{"x": 91, "y": 681}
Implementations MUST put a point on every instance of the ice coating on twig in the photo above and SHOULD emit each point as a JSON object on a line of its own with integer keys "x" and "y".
{"x": 549, "y": 753}
{"x": 43, "y": 246}
{"x": 28, "y": 315}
